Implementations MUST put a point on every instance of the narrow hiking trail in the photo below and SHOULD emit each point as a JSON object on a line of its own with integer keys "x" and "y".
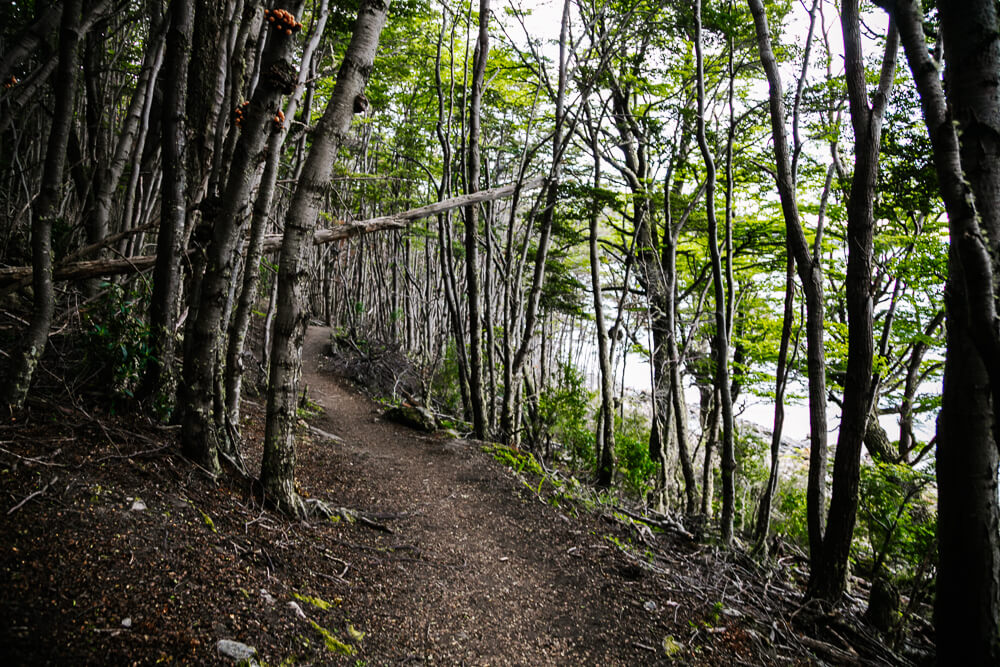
{"x": 119, "y": 551}
{"x": 477, "y": 570}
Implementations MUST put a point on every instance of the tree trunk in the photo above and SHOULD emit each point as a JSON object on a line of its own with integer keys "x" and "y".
{"x": 967, "y": 600}
{"x": 278, "y": 465}
{"x": 710, "y": 436}
{"x": 967, "y": 603}
{"x": 258, "y": 225}
{"x": 206, "y": 84}
{"x": 728, "y": 464}
{"x": 828, "y": 581}
{"x": 676, "y": 408}
{"x": 45, "y": 211}
{"x": 544, "y": 235}
{"x": 443, "y": 131}
{"x": 810, "y": 272}
{"x": 606, "y": 434}
{"x": 472, "y": 285}
{"x": 763, "y": 525}
{"x": 159, "y": 376}
{"x": 200, "y": 439}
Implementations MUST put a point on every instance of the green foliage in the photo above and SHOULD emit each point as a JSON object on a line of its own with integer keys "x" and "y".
{"x": 317, "y": 602}
{"x": 516, "y": 459}
{"x": 330, "y": 640}
{"x": 789, "y": 518}
{"x": 896, "y": 518}
{"x": 116, "y": 340}
{"x": 564, "y": 410}
{"x": 751, "y": 473}
{"x": 632, "y": 448}
{"x": 445, "y": 382}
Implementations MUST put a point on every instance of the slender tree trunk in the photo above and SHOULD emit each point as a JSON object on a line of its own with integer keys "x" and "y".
{"x": 721, "y": 333}
{"x": 198, "y": 434}
{"x": 258, "y": 225}
{"x": 676, "y": 409}
{"x": 206, "y": 84}
{"x": 810, "y": 272}
{"x": 763, "y": 525}
{"x": 530, "y": 312}
{"x": 710, "y": 436}
{"x": 472, "y": 286}
{"x": 278, "y": 465}
{"x": 160, "y": 373}
{"x": 127, "y": 137}
{"x": 443, "y": 130}
{"x": 45, "y": 211}
{"x": 828, "y": 581}
{"x": 606, "y": 434}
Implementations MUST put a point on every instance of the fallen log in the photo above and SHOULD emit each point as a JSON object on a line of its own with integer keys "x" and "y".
{"x": 113, "y": 267}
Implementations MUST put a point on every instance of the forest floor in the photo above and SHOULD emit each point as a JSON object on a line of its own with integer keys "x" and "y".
{"x": 116, "y": 550}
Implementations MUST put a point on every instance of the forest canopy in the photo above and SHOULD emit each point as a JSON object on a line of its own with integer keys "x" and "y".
{"x": 595, "y": 230}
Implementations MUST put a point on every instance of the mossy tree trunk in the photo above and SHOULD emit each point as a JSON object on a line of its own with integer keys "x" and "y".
{"x": 260, "y": 120}
{"x": 278, "y": 465}
{"x": 45, "y": 211}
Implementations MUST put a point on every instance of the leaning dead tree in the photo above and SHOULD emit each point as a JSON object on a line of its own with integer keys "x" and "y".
{"x": 114, "y": 267}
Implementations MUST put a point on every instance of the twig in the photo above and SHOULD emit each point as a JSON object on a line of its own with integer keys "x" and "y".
{"x": 331, "y": 577}
{"x": 838, "y": 654}
{"x": 130, "y": 456}
{"x": 39, "y": 461}
{"x": 32, "y": 495}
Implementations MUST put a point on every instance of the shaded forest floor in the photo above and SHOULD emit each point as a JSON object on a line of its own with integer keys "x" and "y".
{"x": 116, "y": 550}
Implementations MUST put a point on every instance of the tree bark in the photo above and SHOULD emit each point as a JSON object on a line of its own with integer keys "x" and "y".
{"x": 278, "y": 465}
{"x": 728, "y": 464}
{"x": 967, "y": 601}
{"x": 763, "y": 524}
{"x": 258, "y": 225}
{"x": 810, "y": 272}
{"x": 198, "y": 433}
{"x": 472, "y": 285}
{"x": 45, "y": 211}
{"x": 159, "y": 375}
{"x": 606, "y": 422}
{"x": 828, "y": 577}
{"x": 205, "y": 87}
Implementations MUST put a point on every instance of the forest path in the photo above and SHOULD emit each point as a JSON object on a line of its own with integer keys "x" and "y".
{"x": 478, "y": 571}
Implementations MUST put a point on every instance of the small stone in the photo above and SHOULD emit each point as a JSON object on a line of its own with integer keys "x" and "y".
{"x": 297, "y": 609}
{"x": 235, "y": 650}
{"x": 138, "y": 505}
{"x": 127, "y": 622}
{"x": 650, "y": 605}
{"x": 268, "y": 598}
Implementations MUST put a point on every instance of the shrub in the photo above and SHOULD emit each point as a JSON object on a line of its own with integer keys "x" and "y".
{"x": 564, "y": 411}
{"x": 632, "y": 445}
{"x": 116, "y": 340}
{"x": 896, "y": 518}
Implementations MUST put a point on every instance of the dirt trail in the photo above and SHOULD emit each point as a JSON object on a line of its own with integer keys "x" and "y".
{"x": 478, "y": 571}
